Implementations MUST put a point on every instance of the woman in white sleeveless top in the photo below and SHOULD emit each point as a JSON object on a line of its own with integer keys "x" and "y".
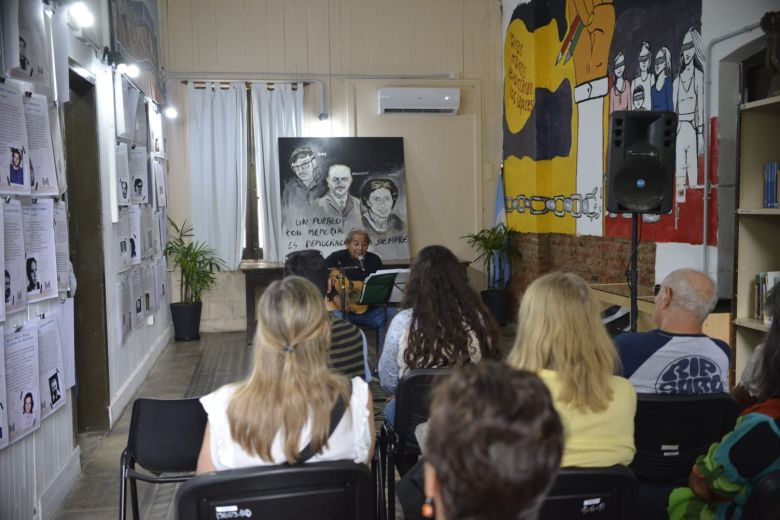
{"x": 284, "y": 408}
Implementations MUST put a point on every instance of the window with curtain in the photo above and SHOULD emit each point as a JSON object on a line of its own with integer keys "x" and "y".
{"x": 234, "y": 169}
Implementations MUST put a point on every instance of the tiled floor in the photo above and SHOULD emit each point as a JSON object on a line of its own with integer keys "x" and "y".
{"x": 183, "y": 370}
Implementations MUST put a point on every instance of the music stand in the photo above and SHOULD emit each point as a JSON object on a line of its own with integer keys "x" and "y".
{"x": 377, "y": 288}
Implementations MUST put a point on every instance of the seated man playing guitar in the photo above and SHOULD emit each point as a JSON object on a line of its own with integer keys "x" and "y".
{"x": 355, "y": 263}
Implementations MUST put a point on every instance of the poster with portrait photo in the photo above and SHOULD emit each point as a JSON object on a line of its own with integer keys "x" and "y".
{"x": 13, "y": 245}
{"x": 59, "y": 151}
{"x": 51, "y": 370}
{"x": 134, "y": 219}
{"x": 122, "y": 174}
{"x": 62, "y": 245}
{"x": 39, "y": 249}
{"x": 3, "y": 400}
{"x": 331, "y": 185}
{"x": 14, "y": 162}
{"x": 43, "y": 174}
{"x": 159, "y": 173}
{"x": 33, "y": 64}
{"x": 123, "y": 249}
{"x": 149, "y": 289}
{"x": 147, "y": 231}
{"x": 137, "y": 296}
{"x": 155, "y": 131}
{"x": 138, "y": 163}
{"x": 161, "y": 280}
{"x": 22, "y": 382}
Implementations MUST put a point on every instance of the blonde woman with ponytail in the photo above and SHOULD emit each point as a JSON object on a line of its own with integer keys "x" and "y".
{"x": 282, "y": 413}
{"x": 561, "y": 338}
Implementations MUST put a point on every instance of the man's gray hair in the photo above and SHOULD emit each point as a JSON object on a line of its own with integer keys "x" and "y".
{"x": 357, "y": 231}
{"x": 697, "y": 298}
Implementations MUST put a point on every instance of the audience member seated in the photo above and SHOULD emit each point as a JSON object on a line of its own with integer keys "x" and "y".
{"x": 561, "y": 338}
{"x": 347, "y": 352}
{"x": 677, "y": 357}
{"x": 493, "y": 446}
{"x": 443, "y": 322}
{"x": 721, "y": 480}
{"x": 282, "y": 412}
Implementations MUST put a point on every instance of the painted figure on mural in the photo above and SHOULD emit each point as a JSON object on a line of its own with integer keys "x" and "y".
{"x": 338, "y": 202}
{"x": 661, "y": 95}
{"x": 689, "y": 105}
{"x": 638, "y": 99}
{"x": 620, "y": 93}
{"x": 594, "y": 26}
{"x": 644, "y": 79}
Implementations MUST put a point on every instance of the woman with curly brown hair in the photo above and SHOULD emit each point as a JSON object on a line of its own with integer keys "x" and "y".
{"x": 442, "y": 323}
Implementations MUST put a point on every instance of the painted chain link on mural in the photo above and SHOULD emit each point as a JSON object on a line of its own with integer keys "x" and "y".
{"x": 577, "y": 205}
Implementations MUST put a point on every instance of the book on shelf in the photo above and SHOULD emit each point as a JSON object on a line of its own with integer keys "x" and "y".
{"x": 761, "y": 286}
{"x": 771, "y": 184}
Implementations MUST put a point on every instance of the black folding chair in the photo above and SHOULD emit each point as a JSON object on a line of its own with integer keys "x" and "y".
{"x": 764, "y": 500}
{"x": 323, "y": 490}
{"x": 592, "y": 493}
{"x": 165, "y": 439}
{"x": 671, "y": 431}
{"x": 398, "y": 444}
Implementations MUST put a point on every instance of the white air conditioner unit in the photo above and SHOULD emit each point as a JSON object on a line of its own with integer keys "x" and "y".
{"x": 417, "y": 100}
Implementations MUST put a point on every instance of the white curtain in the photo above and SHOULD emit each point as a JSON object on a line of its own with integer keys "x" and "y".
{"x": 218, "y": 167}
{"x": 275, "y": 113}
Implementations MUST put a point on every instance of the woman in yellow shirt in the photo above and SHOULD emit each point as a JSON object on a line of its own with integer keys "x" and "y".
{"x": 560, "y": 337}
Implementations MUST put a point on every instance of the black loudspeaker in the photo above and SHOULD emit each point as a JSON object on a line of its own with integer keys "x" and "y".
{"x": 640, "y": 163}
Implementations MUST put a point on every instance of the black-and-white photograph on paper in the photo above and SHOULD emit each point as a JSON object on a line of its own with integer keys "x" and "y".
{"x": 122, "y": 175}
{"x": 149, "y": 288}
{"x": 123, "y": 247}
{"x": 62, "y": 245}
{"x": 39, "y": 249}
{"x": 3, "y": 399}
{"x": 13, "y": 242}
{"x": 33, "y": 56}
{"x": 156, "y": 141}
{"x": 135, "y": 241}
{"x": 59, "y": 152}
{"x": 43, "y": 174}
{"x": 50, "y": 366}
{"x": 161, "y": 280}
{"x": 331, "y": 185}
{"x": 138, "y": 161}
{"x": 137, "y": 296}
{"x": 148, "y": 222}
{"x": 159, "y": 172}
{"x": 14, "y": 161}
{"x": 22, "y": 383}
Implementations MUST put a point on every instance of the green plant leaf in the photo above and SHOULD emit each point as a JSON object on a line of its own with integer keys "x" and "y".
{"x": 197, "y": 262}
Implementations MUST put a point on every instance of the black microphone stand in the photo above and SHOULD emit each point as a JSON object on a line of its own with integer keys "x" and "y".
{"x": 633, "y": 278}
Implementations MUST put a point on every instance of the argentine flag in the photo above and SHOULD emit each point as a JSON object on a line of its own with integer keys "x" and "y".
{"x": 500, "y": 218}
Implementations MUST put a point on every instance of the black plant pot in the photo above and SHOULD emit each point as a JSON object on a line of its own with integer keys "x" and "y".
{"x": 186, "y": 320}
{"x": 497, "y": 301}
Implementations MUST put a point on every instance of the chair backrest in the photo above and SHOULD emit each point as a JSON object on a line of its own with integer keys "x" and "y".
{"x": 592, "y": 493}
{"x": 321, "y": 490}
{"x": 413, "y": 395}
{"x": 671, "y": 431}
{"x": 764, "y": 500}
{"x": 166, "y": 434}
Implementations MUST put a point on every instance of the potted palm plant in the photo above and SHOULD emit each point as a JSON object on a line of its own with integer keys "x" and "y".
{"x": 496, "y": 250}
{"x": 197, "y": 264}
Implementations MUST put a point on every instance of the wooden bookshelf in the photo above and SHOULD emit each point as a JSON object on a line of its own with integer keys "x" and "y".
{"x": 757, "y": 229}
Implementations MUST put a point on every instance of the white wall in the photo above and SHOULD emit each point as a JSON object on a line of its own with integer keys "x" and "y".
{"x": 337, "y": 40}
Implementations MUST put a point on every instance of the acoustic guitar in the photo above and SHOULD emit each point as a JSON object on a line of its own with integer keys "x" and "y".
{"x": 338, "y": 283}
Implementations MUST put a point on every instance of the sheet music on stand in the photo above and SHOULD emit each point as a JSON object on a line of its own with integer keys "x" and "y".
{"x": 384, "y": 286}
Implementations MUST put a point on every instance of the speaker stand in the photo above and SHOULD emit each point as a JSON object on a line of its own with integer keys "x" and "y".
{"x": 633, "y": 276}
